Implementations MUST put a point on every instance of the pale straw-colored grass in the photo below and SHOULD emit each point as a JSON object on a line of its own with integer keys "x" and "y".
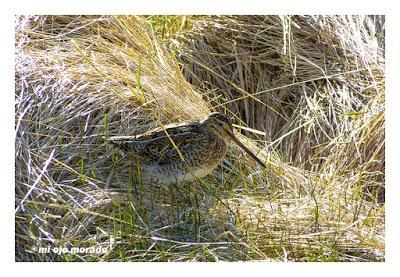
{"x": 307, "y": 92}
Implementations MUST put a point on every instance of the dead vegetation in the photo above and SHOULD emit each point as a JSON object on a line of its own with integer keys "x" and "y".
{"x": 307, "y": 92}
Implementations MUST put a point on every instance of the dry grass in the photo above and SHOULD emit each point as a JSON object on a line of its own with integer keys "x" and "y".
{"x": 308, "y": 93}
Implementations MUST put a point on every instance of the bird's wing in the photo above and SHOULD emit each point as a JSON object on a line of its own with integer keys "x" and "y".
{"x": 156, "y": 146}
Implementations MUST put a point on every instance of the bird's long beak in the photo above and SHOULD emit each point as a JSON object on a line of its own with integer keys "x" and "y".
{"x": 241, "y": 145}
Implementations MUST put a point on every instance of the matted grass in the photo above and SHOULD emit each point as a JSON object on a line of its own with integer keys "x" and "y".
{"x": 307, "y": 94}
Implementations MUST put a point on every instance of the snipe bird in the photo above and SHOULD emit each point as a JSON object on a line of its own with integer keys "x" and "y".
{"x": 201, "y": 145}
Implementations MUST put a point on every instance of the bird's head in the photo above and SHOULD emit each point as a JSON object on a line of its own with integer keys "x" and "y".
{"x": 221, "y": 125}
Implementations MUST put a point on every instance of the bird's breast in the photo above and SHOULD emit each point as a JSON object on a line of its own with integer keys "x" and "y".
{"x": 199, "y": 162}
